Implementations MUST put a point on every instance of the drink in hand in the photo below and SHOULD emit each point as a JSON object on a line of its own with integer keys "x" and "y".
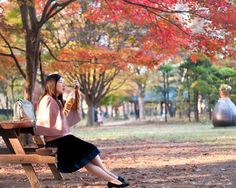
{"x": 68, "y": 105}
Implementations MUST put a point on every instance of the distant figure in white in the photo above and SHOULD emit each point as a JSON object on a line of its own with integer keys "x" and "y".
{"x": 100, "y": 116}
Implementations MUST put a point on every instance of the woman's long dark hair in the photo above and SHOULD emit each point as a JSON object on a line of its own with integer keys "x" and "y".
{"x": 50, "y": 89}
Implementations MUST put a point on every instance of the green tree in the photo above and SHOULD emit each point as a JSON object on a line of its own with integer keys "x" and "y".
{"x": 166, "y": 73}
{"x": 200, "y": 79}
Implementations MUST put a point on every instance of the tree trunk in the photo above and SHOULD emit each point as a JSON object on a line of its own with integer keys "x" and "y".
{"x": 107, "y": 112}
{"x": 90, "y": 115}
{"x": 117, "y": 115}
{"x": 161, "y": 108}
{"x": 189, "y": 104}
{"x": 112, "y": 114}
{"x": 141, "y": 106}
{"x": 210, "y": 114}
{"x": 124, "y": 111}
{"x": 12, "y": 91}
{"x": 81, "y": 107}
{"x": 136, "y": 110}
{"x": 196, "y": 111}
{"x": 32, "y": 40}
{"x": 128, "y": 108}
{"x": 7, "y": 106}
{"x": 32, "y": 58}
{"x": 210, "y": 104}
{"x": 165, "y": 95}
{"x": 141, "y": 94}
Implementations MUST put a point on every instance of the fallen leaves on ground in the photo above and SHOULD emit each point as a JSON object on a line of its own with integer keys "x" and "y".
{"x": 146, "y": 164}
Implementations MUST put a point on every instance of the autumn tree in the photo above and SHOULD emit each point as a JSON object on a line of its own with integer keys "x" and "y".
{"x": 12, "y": 62}
{"x": 166, "y": 23}
{"x": 34, "y": 14}
{"x": 100, "y": 62}
{"x": 96, "y": 78}
{"x": 103, "y": 63}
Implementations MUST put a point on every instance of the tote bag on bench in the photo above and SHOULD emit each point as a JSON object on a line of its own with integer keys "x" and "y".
{"x": 23, "y": 110}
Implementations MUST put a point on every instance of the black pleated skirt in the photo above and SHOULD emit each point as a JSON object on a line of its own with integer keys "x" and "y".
{"x": 73, "y": 153}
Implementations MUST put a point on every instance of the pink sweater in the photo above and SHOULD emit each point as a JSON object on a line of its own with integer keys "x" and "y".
{"x": 51, "y": 122}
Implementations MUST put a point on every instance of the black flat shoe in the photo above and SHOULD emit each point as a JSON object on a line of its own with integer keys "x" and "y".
{"x": 123, "y": 180}
{"x": 110, "y": 185}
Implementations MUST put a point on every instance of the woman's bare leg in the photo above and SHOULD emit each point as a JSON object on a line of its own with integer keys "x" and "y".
{"x": 98, "y": 161}
{"x": 99, "y": 172}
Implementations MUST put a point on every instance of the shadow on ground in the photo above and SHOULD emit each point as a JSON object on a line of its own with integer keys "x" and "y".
{"x": 146, "y": 164}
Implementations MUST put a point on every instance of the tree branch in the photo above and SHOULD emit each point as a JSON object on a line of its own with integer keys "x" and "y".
{"x": 3, "y": 54}
{"x": 45, "y": 10}
{"x": 12, "y": 55}
{"x": 79, "y": 61}
{"x": 24, "y": 15}
{"x": 15, "y": 48}
{"x": 54, "y": 8}
{"x": 171, "y": 22}
{"x": 51, "y": 9}
{"x": 65, "y": 61}
{"x": 155, "y": 8}
{"x": 168, "y": 11}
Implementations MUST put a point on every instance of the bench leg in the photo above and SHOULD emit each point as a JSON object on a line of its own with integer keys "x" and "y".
{"x": 31, "y": 175}
{"x": 57, "y": 175}
{"x": 14, "y": 144}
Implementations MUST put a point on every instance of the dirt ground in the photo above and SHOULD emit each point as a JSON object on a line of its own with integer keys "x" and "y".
{"x": 146, "y": 164}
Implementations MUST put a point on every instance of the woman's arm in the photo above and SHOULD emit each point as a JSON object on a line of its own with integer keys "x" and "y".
{"x": 71, "y": 109}
{"x": 49, "y": 118}
{"x": 73, "y": 117}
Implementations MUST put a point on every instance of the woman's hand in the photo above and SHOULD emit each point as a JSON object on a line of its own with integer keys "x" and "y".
{"x": 76, "y": 84}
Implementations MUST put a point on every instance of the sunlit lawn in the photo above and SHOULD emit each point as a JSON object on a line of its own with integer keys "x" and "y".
{"x": 162, "y": 132}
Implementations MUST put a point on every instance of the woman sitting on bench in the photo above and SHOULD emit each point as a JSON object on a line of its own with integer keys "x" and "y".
{"x": 54, "y": 119}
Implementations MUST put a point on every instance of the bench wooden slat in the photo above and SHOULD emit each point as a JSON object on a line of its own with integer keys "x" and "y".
{"x": 26, "y": 159}
{"x": 16, "y": 124}
{"x": 46, "y": 151}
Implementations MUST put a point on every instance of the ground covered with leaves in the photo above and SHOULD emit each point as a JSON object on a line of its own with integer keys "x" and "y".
{"x": 146, "y": 163}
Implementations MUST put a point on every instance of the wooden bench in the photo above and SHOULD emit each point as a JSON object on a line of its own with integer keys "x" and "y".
{"x": 16, "y": 153}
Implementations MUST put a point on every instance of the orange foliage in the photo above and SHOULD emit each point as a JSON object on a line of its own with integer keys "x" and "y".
{"x": 165, "y": 32}
{"x": 7, "y": 68}
{"x": 100, "y": 59}
{"x": 194, "y": 58}
{"x": 69, "y": 10}
{"x": 172, "y": 31}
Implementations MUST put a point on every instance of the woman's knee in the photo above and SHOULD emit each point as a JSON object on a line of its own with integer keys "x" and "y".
{"x": 88, "y": 165}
